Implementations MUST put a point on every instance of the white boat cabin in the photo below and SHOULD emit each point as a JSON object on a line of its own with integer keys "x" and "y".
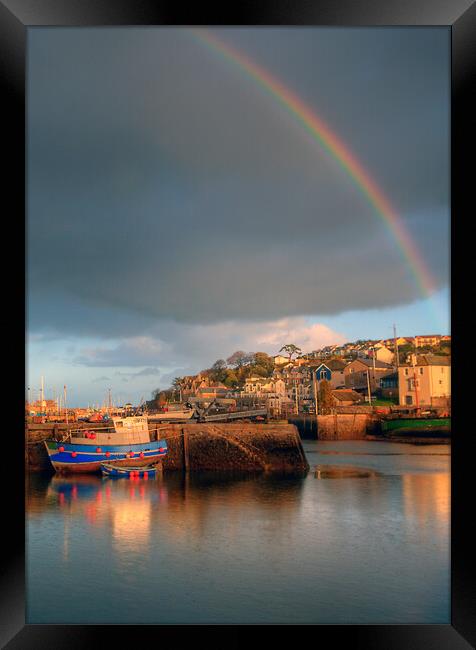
{"x": 127, "y": 430}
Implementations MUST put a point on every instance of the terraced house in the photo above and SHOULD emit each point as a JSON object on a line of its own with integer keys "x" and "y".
{"x": 357, "y": 371}
{"x": 427, "y": 382}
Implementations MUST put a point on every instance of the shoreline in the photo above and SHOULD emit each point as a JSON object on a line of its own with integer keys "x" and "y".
{"x": 413, "y": 440}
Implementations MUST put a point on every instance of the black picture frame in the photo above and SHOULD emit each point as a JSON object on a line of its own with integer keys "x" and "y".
{"x": 16, "y": 16}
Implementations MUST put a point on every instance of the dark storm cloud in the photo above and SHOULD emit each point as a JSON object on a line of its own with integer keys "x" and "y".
{"x": 164, "y": 184}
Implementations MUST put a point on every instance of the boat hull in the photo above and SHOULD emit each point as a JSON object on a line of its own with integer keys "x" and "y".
{"x": 114, "y": 471}
{"x": 417, "y": 425}
{"x": 171, "y": 416}
{"x": 67, "y": 458}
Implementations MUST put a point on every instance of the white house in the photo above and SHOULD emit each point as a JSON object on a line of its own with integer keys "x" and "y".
{"x": 427, "y": 383}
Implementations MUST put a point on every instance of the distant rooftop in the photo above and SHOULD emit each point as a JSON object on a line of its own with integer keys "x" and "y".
{"x": 378, "y": 364}
{"x": 431, "y": 360}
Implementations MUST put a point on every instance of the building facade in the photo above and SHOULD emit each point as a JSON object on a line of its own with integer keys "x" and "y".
{"x": 426, "y": 383}
{"x": 362, "y": 372}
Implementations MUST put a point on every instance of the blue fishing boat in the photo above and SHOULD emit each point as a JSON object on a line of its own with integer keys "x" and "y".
{"x": 126, "y": 442}
{"x": 115, "y": 471}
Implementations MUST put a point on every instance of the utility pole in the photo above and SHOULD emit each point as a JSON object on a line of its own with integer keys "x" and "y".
{"x": 415, "y": 381}
{"x": 42, "y": 394}
{"x": 396, "y": 346}
{"x": 373, "y": 365}
{"x": 368, "y": 387}
{"x": 314, "y": 384}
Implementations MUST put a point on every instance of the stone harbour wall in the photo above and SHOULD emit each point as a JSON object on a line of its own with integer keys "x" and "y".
{"x": 235, "y": 446}
{"x": 238, "y": 447}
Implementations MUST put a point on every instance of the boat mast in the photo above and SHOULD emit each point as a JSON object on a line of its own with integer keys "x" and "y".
{"x": 65, "y": 408}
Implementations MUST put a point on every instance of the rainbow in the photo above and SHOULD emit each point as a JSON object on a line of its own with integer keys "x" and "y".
{"x": 336, "y": 148}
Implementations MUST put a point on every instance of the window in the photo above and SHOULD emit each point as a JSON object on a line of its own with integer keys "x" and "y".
{"x": 406, "y": 371}
{"x": 421, "y": 371}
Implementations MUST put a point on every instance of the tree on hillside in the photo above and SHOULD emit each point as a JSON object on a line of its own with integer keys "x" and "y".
{"x": 404, "y": 351}
{"x": 291, "y": 350}
{"x": 231, "y": 379}
{"x": 237, "y": 359}
{"x": 177, "y": 386}
{"x": 164, "y": 396}
{"x": 263, "y": 364}
{"x": 219, "y": 370}
{"x": 325, "y": 397}
{"x": 444, "y": 349}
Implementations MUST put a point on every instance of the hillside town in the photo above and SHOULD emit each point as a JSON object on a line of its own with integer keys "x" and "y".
{"x": 404, "y": 371}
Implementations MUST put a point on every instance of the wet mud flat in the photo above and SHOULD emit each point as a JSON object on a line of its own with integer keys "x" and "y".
{"x": 420, "y": 439}
{"x": 344, "y": 471}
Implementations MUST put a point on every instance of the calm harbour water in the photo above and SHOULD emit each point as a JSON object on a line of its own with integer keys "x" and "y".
{"x": 249, "y": 549}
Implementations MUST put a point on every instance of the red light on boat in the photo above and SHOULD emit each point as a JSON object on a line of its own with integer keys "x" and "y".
{"x": 73, "y": 454}
{"x": 98, "y": 450}
{"x": 108, "y": 453}
{"x": 161, "y": 449}
{"x": 60, "y": 448}
{"x": 141, "y": 454}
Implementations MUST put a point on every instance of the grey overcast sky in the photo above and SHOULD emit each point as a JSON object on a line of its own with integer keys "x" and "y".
{"x": 177, "y": 212}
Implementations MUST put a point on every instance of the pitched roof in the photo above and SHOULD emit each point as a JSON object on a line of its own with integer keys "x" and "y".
{"x": 346, "y": 395}
{"x": 319, "y": 365}
{"x": 431, "y": 360}
{"x": 370, "y": 363}
{"x": 213, "y": 389}
{"x": 336, "y": 364}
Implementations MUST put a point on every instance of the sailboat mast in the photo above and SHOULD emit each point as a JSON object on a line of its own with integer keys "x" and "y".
{"x": 65, "y": 407}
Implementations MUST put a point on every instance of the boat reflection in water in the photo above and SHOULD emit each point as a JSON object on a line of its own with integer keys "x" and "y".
{"x": 178, "y": 507}
{"x": 211, "y": 548}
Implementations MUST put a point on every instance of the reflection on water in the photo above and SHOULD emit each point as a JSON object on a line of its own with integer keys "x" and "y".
{"x": 245, "y": 549}
{"x": 427, "y": 497}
